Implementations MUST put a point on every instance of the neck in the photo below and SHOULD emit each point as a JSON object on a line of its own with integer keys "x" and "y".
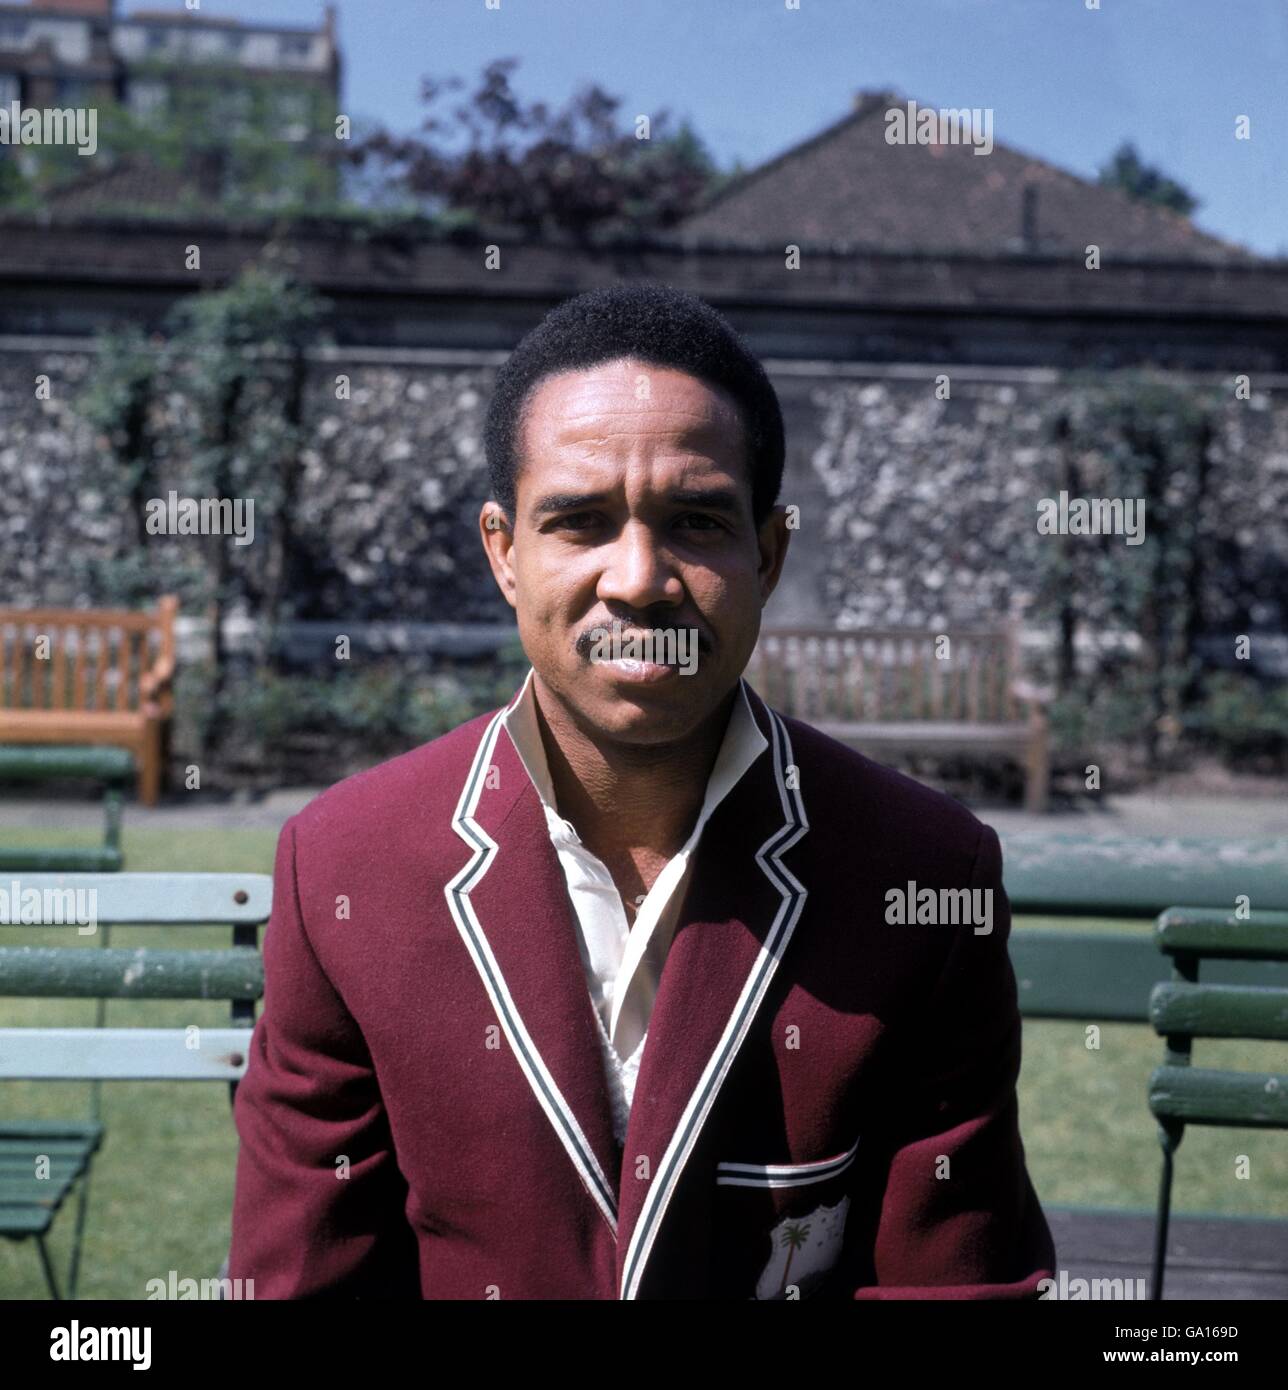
{"x": 629, "y": 797}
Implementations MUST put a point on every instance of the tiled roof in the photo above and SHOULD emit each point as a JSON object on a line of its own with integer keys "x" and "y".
{"x": 847, "y": 185}
{"x": 132, "y": 183}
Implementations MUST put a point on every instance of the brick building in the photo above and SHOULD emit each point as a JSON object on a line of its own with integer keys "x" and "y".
{"x": 69, "y": 52}
{"x": 78, "y": 53}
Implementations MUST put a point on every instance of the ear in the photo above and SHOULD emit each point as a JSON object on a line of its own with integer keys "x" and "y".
{"x": 772, "y": 538}
{"x": 498, "y": 545}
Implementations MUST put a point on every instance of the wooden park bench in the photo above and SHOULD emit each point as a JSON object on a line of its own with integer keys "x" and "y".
{"x": 1060, "y": 973}
{"x": 29, "y": 1202}
{"x": 90, "y": 676}
{"x": 891, "y": 692}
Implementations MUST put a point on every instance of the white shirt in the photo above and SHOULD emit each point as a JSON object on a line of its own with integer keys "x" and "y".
{"x": 623, "y": 963}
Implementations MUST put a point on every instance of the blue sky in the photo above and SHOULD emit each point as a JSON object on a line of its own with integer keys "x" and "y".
{"x": 754, "y": 78}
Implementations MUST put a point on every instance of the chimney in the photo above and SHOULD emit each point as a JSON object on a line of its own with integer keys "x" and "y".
{"x": 870, "y": 100}
{"x": 1029, "y": 217}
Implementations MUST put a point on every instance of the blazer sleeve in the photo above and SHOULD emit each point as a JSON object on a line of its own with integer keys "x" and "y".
{"x": 959, "y": 1218}
{"x": 318, "y": 1205}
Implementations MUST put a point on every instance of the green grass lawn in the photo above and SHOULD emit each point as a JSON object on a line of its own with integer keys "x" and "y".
{"x": 162, "y": 1184}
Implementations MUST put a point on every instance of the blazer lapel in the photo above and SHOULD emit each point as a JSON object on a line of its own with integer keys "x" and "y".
{"x": 737, "y": 919}
{"x": 510, "y": 904}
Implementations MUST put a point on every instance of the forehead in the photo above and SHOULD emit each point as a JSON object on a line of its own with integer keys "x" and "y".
{"x": 614, "y": 402}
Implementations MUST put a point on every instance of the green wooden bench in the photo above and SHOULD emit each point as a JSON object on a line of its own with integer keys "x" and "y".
{"x": 1184, "y": 1009}
{"x": 1094, "y": 977}
{"x": 42, "y": 1160}
{"x": 113, "y": 767}
{"x": 1068, "y": 974}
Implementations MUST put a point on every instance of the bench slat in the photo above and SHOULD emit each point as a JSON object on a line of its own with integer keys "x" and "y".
{"x": 1202, "y": 1096}
{"x": 52, "y": 972}
{"x": 122, "y": 1054}
{"x": 30, "y": 762}
{"x": 1133, "y": 876}
{"x": 88, "y": 859}
{"x": 38, "y": 1192}
{"x": 27, "y": 1221}
{"x": 66, "y": 1150}
{"x": 55, "y": 726}
{"x": 1219, "y": 1011}
{"x": 1078, "y": 975}
{"x": 1206, "y": 932}
{"x": 163, "y": 899}
{"x": 50, "y": 1129}
{"x": 1099, "y": 977}
{"x": 22, "y": 1165}
{"x": 970, "y": 735}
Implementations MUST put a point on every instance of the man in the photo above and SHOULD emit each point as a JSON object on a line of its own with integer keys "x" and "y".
{"x": 607, "y": 993}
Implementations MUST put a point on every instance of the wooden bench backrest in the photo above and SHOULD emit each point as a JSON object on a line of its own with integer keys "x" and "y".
{"x": 866, "y": 675}
{"x": 1185, "y": 1008}
{"x": 94, "y": 660}
{"x": 240, "y": 901}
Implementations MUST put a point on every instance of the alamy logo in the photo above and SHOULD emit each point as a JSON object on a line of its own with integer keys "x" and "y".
{"x": 173, "y": 515}
{"x": 1095, "y": 516}
{"x": 77, "y": 1343}
{"x": 940, "y": 907}
{"x": 53, "y": 125}
{"x": 172, "y": 1286}
{"x": 1079, "y": 1289}
{"x": 49, "y": 907}
{"x": 677, "y": 647}
{"x": 924, "y": 125}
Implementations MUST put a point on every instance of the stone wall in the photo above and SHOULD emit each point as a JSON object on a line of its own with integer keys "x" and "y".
{"x": 931, "y": 512}
{"x": 913, "y": 510}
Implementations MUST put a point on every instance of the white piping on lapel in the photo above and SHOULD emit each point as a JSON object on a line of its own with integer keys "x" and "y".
{"x": 793, "y": 893}
{"x": 784, "y": 1174}
{"x": 458, "y": 891}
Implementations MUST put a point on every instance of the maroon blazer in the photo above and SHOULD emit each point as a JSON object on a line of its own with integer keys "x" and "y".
{"x": 825, "y": 1105}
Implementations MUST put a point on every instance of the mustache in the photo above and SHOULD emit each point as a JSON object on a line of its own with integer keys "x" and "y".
{"x": 587, "y": 638}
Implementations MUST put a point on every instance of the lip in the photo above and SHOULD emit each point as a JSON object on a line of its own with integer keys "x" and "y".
{"x": 638, "y": 672}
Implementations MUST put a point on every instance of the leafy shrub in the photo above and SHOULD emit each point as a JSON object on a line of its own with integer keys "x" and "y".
{"x": 277, "y": 729}
{"x": 1242, "y": 720}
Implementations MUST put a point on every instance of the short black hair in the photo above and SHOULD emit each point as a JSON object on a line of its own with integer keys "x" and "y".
{"x": 654, "y": 323}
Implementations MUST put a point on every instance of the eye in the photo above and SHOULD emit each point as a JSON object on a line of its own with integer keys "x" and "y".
{"x": 576, "y": 521}
{"x": 710, "y": 523}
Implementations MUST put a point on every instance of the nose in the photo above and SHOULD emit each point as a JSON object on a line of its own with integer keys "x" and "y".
{"x": 638, "y": 572}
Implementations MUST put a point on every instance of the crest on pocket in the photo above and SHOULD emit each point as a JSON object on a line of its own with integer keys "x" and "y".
{"x": 802, "y": 1250}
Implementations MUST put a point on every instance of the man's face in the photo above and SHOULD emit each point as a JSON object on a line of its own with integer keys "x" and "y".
{"x": 633, "y": 504}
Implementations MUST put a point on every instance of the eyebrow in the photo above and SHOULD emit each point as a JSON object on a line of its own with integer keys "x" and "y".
{"x": 716, "y": 499}
{"x": 719, "y": 499}
{"x": 565, "y": 502}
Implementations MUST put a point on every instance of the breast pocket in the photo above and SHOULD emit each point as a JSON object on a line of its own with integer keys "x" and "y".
{"x": 783, "y": 1224}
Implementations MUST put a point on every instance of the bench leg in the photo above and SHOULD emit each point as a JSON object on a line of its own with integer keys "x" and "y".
{"x": 1037, "y": 779}
{"x": 112, "y": 817}
{"x": 82, "y": 1208}
{"x": 49, "y": 1270}
{"x": 150, "y": 765}
{"x": 1169, "y": 1137}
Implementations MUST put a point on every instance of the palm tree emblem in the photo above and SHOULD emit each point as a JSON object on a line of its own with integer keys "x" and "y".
{"x": 793, "y": 1237}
